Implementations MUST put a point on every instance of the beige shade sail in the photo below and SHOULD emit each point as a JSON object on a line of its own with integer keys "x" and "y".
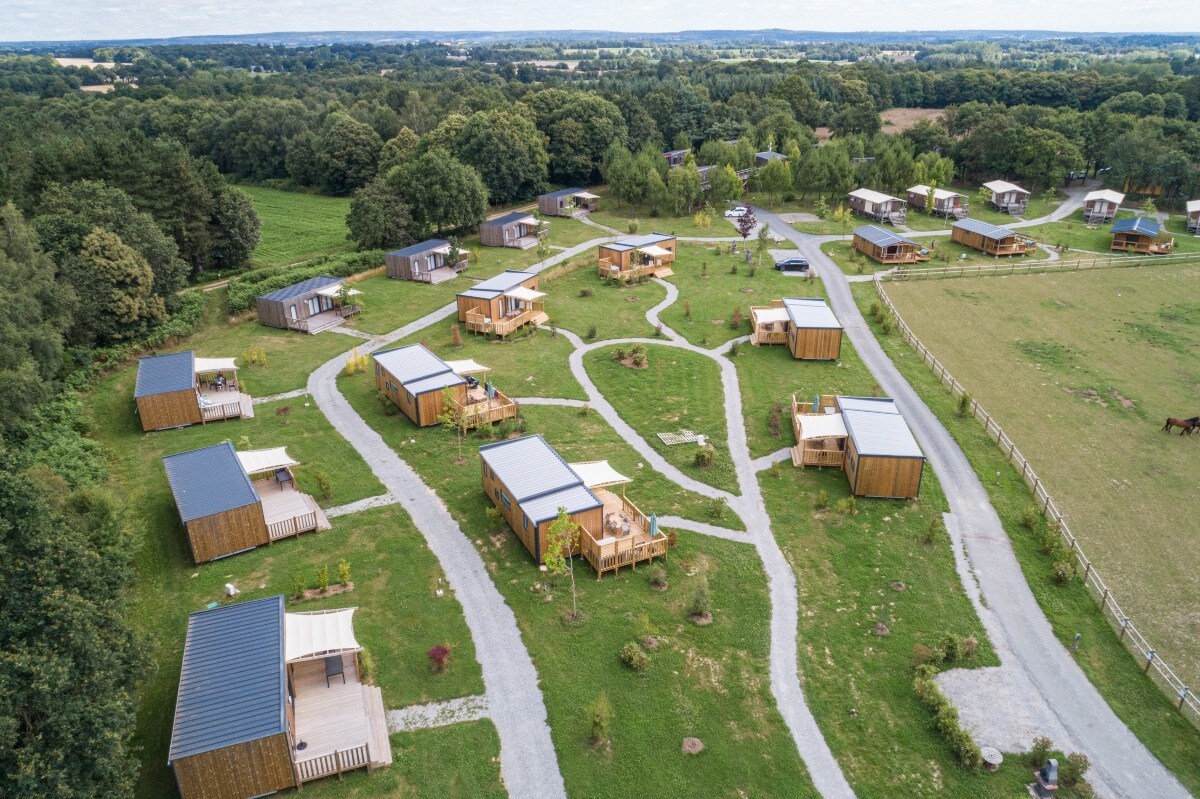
{"x": 829, "y": 425}
{"x": 1105, "y": 194}
{"x": 256, "y": 461}
{"x": 767, "y": 316}
{"x": 467, "y": 367}
{"x": 598, "y": 474}
{"x": 335, "y": 290}
{"x": 203, "y": 365}
{"x": 524, "y": 294}
{"x": 586, "y": 195}
{"x": 318, "y": 634}
{"x": 654, "y": 250}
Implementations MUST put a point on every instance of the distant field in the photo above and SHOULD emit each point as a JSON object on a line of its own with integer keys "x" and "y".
{"x": 1081, "y": 369}
{"x": 297, "y": 226}
{"x": 898, "y": 120}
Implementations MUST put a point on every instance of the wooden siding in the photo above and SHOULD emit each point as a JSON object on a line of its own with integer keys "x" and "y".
{"x": 530, "y": 534}
{"x": 872, "y": 476}
{"x": 1140, "y": 242}
{"x": 489, "y": 308}
{"x": 171, "y": 409}
{"x": 424, "y": 410}
{"x": 228, "y": 532}
{"x": 1009, "y": 245}
{"x": 814, "y": 344}
{"x": 592, "y": 520}
{"x": 901, "y": 253}
{"x": 275, "y": 313}
{"x": 253, "y": 768}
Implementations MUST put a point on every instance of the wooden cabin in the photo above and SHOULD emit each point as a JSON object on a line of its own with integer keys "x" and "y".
{"x": 1007, "y": 197}
{"x": 421, "y": 384}
{"x": 814, "y": 333}
{"x": 764, "y": 158}
{"x": 882, "y": 457}
{"x": 887, "y": 247}
{"x": 180, "y": 389}
{"x": 676, "y": 157}
{"x": 309, "y": 306}
{"x": 768, "y": 324}
{"x": 528, "y": 482}
{"x": 946, "y": 203}
{"x": 1193, "y": 217}
{"x": 231, "y": 501}
{"x": 878, "y": 206}
{"x": 633, "y": 257}
{"x": 426, "y": 262}
{"x": 567, "y": 202}
{"x": 270, "y": 700}
{"x": 991, "y": 239}
{"x": 820, "y": 433}
{"x": 504, "y": 303}
{"x": 1140, "y": 235}
{"x": 514, "y": 229}
{"x": 1101, "y": 205}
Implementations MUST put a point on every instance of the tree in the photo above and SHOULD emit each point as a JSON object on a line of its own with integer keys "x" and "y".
{"x": 746, "y": 224}
{"x": 234, "y": 214}
{"x": 561, "y": 539}
{"x": 683, "y": 187}
{"x": 453, "y": 418}
{"x": 347, "y": 154}
{"x": 775, "y": 178}
{"x": 724, "y": 186}
{"x": 794, "y": 89}
{"x": 120, "y": 304}
{"x": 508, "y": 151}
{"x": 856, "y": 112}
{"x": 397, "y": 150}
{"x": 378, "y": 218}
{"x": 656, "y": 192}
{"x": 440, "y": 192}
{"x": 580, "y": 127}
{"x": 843, "y": 216}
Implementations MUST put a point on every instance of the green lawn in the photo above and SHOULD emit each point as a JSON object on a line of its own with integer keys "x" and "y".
{"x": 1076, "y": 235}
{"x": 1070, "y": 609}
{"x": 679, "y": 390}
{"x": 296, "y": 226}
{"x": 713, "y": 298}
{"x": 614, "y": 311}
{"x": 708, "y": 682}
{"x": 1037, "y": 208}
{"x": 943, "y": 251}
{"x": 619, "y": 217}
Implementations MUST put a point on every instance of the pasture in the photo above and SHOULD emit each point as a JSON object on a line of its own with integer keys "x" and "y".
{"x": 1081, "y": 369}
{"x": 296, "y": 226}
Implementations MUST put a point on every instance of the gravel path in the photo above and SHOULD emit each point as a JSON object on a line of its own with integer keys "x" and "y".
{"x": 438, "y": 714}
{"x": 706, "y": 529}
{"x": 381, "y": 501}
{"x": 300, "y": 392}
{"x": 1121, "y": 765}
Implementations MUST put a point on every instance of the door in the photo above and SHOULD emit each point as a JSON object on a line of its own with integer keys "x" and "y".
{"x": 314, "y": 305}
{"x": 292, "y": 312}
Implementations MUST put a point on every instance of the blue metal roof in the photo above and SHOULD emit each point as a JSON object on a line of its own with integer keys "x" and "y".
{"x": 537, "y": 477}
{"x": 877, "y": 428}
{"x": 417, "y": 249}
{"x": 233, "y": 684}
{"x": 506, "y": 280}
{"x": 985, "y": 229}
{"x": 880, "y": 237}
{"x": 1138, "y": 224}
{"x": 418, "y": 369}
{"x": 159, "y": 374}
{"x": 562, "y": 193}
{"x": 504, "y": 219}
{"x": 208, "y": 480}
{"x": 301, "y": 288}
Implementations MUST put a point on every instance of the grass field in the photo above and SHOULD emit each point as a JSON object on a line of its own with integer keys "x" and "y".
{"x": 615, "y": 311}
{"x": 1070, "y": 609}
{"x": 944, "y": 253}
{"x": 296, "y": 226}
{"x": 1081, "y": 369}
{"x": 1073, "y": 233}
{"x": 619, "y": 217}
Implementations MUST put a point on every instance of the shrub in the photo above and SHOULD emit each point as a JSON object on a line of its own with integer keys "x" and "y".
{"x": 735, "y": 349}
{"x": 704, "y": 457}
{"x": 946, "y": 717}
{"x": 733, "y": 269}
{"x": 933, "y": 529}
{"x": 952, "y": 647}
{"x": 324, "y": 487}
{"x": 323, "y": 579}
{"x": 658, "y": 577}
{"x": 964, "y": 404}
{"x": 600, "y": 718}
{"x": 1031, "y": 517}
{"x": 439, "y": 658}
{"x": 847, "y": 506}
{"x": 1064, "y": 571}
{"x": 822, "y": 500}
{"x": 1072, "y": 768}
{"x": 636, "y": 658}
{"x": 298, "y": 587}
{"x": 1039, "y": 751}
{"x": 367, "y": 666}
{"x": 344, "y": 572}
{"x": 455, "y": 336}
{"x": 752, "y": 271}
{"x": 585, "y": 409}
{"x": 923, "y": 654}
{"x": 658, "y": 330}
{"x": 1051, "y": 543}
{"x": 687, "y": 308}
{"x": 672, "y": 538}
{"x": 244, "y": 289}
{"x": 620, "y": 354}
{"x": 701, "y": 604}
{"x": 633, "y": 226}
{"x": 775, "y": 422}
{"x": 735, "y": 320}
{"x": 639, "y": 359}
{"x": 970, "y": 645}
{"x": 717, "y": 506}
{"x": 704, "y": 269}
{"x": 591, "y": 333}
{"x": 585, "y": 293}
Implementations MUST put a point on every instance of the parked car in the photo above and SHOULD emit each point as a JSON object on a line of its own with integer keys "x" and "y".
{"x": 734, "y": 213}
{"x": 795, "y": 264}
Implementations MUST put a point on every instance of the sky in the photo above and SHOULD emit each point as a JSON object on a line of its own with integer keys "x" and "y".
{"x": 22, "y": 20}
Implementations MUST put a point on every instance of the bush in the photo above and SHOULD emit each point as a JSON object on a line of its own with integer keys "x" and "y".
{"x": 1064, "y": 571}
{"x": 600, "y": 718}
{"x": 1031, "y": 517}
{"x": 439, "y": 658}
{"x": 735, "y": 320}
{"x": 585, "y": 293}
{"x": 1051, "y": 543}
{"x": 1039, "y": 752}
{"x": 925, "y": 654}
{"x": 323, "y": 579}
{"x": 687, "y": 308}
{"x": 946, "y": 718}
{"x": 344, "y": 572}
{"x": 847, "y": 506}
{"x": 658, "y": 577}
{"x": 658, "y": 330}
{"x": 636, "y": 658}
{"x": 964, "y": 404}
{"x": 324, "y": 487}
{"x": 951, "y": 647}
{"x": 633, "y": 226}
{"x": 933, "y": 529}
{"x": 733, "y": 269}
{"x": 367, "y": 666}
{"x": 620, "y": 354}
{"x": 585, "y": 409}
{"x": 298, "y": 587}
{"x": 717, "y": 507}
{"x": 775, "y": 422}
{"x": 591, "y": 333}
{"x": 822, "y": 500}
{"x": 701, "y": 604}
{"x": 704, "y": 457}
{"x": 1072, "y": 769}
{"x": 735, "y": 349}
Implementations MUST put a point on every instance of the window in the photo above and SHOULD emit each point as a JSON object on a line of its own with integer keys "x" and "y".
{"x": 526, "y": 521}
{"x": 410, "y": 396}
{"x": 504, "y": 499}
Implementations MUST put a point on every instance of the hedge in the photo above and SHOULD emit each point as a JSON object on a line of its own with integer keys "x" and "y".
{"x": 946, "y": 717}
{"x": 243, "y": 290}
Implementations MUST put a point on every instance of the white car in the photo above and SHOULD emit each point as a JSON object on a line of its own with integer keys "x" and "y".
{"x": 734, "y": 213}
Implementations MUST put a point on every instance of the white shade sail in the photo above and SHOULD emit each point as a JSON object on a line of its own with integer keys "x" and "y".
{"x": 597, "y": 474}
{"x": 202, "y": 365}
{"x": 527, "y": 295}
{"x": 256, "y": 461}
{"x": 467, "y": 367}
{"x": 654, "y": 250}
{"x": 318, "y": 634}
{"x": 587, "y": 195}
{"x": 335, "y": 290}
{"x": 828, "y": 425}
{"x": 768, "y": 316}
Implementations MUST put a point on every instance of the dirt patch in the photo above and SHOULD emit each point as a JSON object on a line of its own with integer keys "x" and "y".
{"x": 882, "y": 630}
{"x": 1124, "y": 402}
{"x": 629, "y": 363}
{"x": 898, "y": 120}
{"x": 701, "y": 620}
{"x": 793, "y": 219}
{"x": 692, "y": 746}
{"x": 899, "y": 586}
{"x": 1087, "y": 395}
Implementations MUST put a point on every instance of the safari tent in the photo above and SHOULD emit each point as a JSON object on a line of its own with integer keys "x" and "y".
{"x": 949, "y": 204}
{"x": 1101, "y": 205}
{"x": 1007, "y": 197}
{"x": 878, "y": 206}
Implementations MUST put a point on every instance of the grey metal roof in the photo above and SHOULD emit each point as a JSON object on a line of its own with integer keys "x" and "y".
{"x": 418, "y": 369}
{"x": 810, "y": 313}
{"x": 537, "y": 477}
{"x": 233, "y": 685}
{"x": 159, "y": 374}
{"x": 301, "y": 288}
{"x": 420, "y": 247}
{"x": 985, "y": 229}
{"x": 770, "y": 155}
{"x": 880, "y": 237}
{"x": 1138, "y": 224}
{"x": 633, "y": 242}
{"x": 504, "y": 219}
{"x": 562, "y": 192}
{"x": 208, "y": 480}
{"x": 877, "y": 428}
{"x": 677, "y": 152}
{"x": 505, "y": 281}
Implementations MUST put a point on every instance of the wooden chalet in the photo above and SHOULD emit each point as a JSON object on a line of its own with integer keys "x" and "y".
{"x": 764, "y": 158}
{"x": 504, "y": 303}
{"x": 1141, "y": 235}
{"x": 867, "y": 437}
{"x": 768, "y": 324}
{"x": 421, "y": 384}
{"x": 946, "y": 203}
{"x": 515, "y": 229}
{"x": 887, "y": 247}
{"x": 309, "y": 306}
{"x": 1193, "y": 217}
{"x": 633, "y": 257}
{"x": 1101, "y": 205}
{"x": 567, "y": 202}
{"x": 878, "y": 206}
{"x": 991, "y": 239}
{"x": 425, "y": 262}
{"x": 270, "y": 700}
{"x": 180, "y": 389}
{"x": 231, "y": 501}
{"x": 676, "y": 157}
{"x": 814, "y": 333}
{"x": 706, "y": 172}
{"x": 528, "y": 482}
{"x": 1007, "y": 197}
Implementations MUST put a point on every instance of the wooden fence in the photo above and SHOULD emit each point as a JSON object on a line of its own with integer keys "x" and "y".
{"x": 333, "y": 763}
{"x": 1039, "y": 267}
{"x": 293, "y": 526}
{"x": 1127, "y": 632}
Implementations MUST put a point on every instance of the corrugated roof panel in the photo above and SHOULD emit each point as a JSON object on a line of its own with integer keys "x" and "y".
{"x": 420, "y": 247}
{"x": 417, "y": 369}
{"x": 208, "y": 480}
{"x": 508, "y": 279}
{"x": 1138, "y": 224}
{"x": 811, "y": 313}
{"x": 985, "y": 229}
{"x": 529, "y": 467}
{"x": 233, "y": 684}
{"x": 506, "y": 219}
{"x": 574, "y": 498}
{"x": 303, "y": 287}
{"x": 159, "y": 374}
{"x": 880, "y": 237}
{"x": 877, "y": 428}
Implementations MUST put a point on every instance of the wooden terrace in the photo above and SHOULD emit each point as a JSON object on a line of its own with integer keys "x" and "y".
{"x": 287, "y": 511}
{"x": 219, "y": 404}
{"x": 324, "y": 320}
{"x": 479, "y": 409}
{"x": 532, "y": 314}
{"x": 769, "y": 324}
{"x": 827, "y": 450}
{"x": 625, "y": 538}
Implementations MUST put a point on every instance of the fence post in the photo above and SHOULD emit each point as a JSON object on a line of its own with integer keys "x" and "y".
{"x": 1183, "y": 695}
{"x": 1086, "y": 571}
{"x": 1149, "y": 660}
{"x": 1124, "y": 624}
{"x": 1104, "y": 600}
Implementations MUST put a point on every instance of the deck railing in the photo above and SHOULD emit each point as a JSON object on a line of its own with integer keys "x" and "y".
{"x": 476, "y": 322}
{"x": 293, "y": 526}
{"x": 807, "y": 456}
{"x": 760, "y": 336}
{"x": 335, "y": 762}
{"x": 215, "y": 413}
{"x": 618, "y": 552}
{"x": 475, "y": 414}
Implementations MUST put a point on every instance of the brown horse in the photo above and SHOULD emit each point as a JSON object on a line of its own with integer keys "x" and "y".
{"x": 1186, "y": 426}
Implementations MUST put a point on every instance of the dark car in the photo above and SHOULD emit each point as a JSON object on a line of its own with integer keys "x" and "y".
{"x": 792, "y": 265}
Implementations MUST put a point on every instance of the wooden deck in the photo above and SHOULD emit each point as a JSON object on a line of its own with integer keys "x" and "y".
{"x": 625, "y": 539}
{"x": 480, "y": 410}
{"x": 228, "y": 404}
{"x": 287, "y": 511}
{"x": 342, "y": 723}
{"x": 322, "y": 321}
{"x": 478, "y": 323}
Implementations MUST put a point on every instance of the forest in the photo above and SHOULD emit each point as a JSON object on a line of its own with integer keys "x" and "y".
{"x": 114, "y": 205}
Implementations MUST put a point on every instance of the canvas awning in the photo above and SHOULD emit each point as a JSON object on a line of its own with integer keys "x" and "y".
{"x": 445, "y": 250}
{"x": 528, "y": 220}
{"x": 256, "y": 461}
{"x": 829, "y": 425}
{"x": 467, "y": 367}
{"x": 586, "y": 195}
{"x": 524, "y": 294}
{"x": 769, "y": 316}
{"x": 203, "y": 365}
{"x": 336, "y": 290}
{"x": 598, "y": 474}
{"x": 317, "y": 634}
{"x": 654, "y": 250}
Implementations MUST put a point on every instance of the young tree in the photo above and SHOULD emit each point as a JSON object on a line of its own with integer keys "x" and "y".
{"x": 746, "y": 224}
{"x": 600, "y": 718}
{"x": 775, "y": 178}
{"x": 562, "y": 538}
{"x": 683, "y": 187}
{"x": 378, "y": 218}
{"x": 656, "y": 192}
{"x": 453, "y": 418}
{"x": 441, "y": 193}
{"x": 844, "y": 217}
{"x": 724, "y": 186}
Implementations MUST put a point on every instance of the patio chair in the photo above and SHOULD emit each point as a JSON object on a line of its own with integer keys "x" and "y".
{"x": 334, "y": 667}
